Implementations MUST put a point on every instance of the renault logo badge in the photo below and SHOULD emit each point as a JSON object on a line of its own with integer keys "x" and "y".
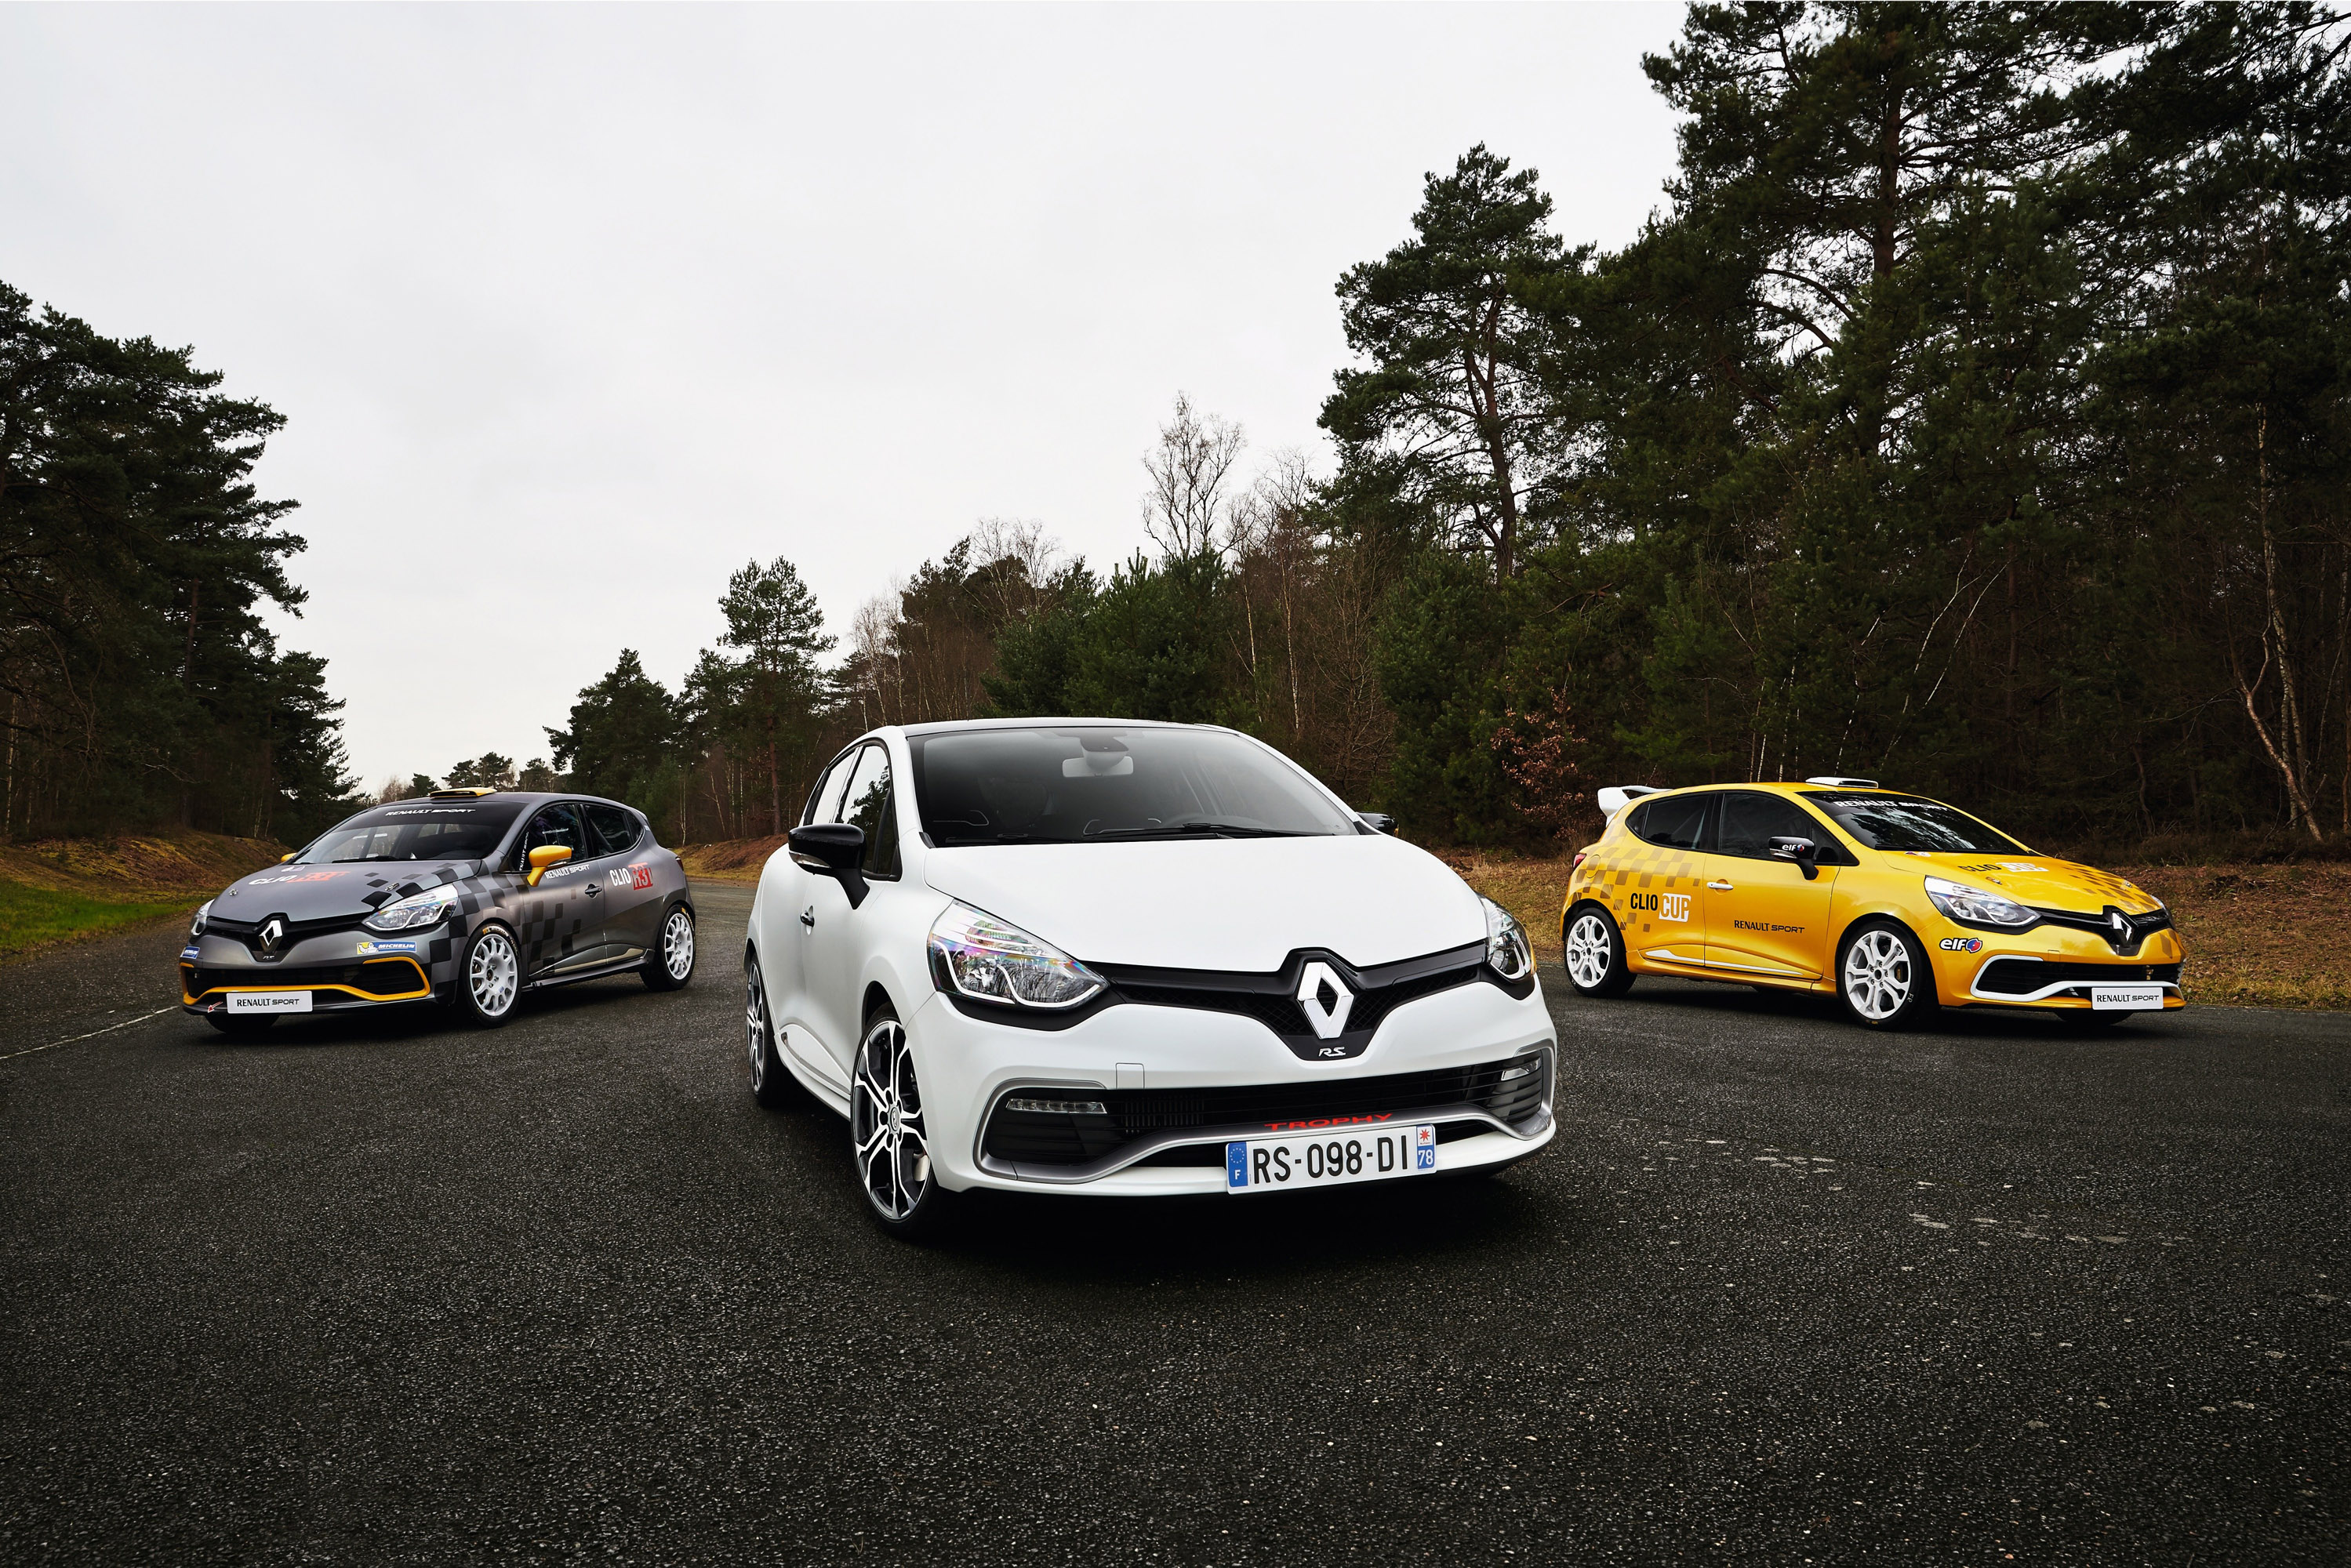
{"x": 1326, "y": 999}
{"x": 2122, "y": 926}
{"x": 273, "y": 932}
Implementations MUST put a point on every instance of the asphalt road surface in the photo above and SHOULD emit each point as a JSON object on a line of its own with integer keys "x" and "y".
{"x": 1782, "y": 1292}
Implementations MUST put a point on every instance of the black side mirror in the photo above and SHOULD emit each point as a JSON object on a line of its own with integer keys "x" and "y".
{"x": 1378, "y": 821}
{"x": 1804, "y": 852}
{"x": 834, "y": 849}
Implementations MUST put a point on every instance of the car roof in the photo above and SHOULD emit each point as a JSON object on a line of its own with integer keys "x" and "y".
{"x": 526, "y": 798}
{"x": 943, "y": 726}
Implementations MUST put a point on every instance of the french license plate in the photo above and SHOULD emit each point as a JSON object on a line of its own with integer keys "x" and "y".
{"x": 2126, "y": 999}
{"x": 1329, "y": 1159}
{"x": 269, "y": 1002}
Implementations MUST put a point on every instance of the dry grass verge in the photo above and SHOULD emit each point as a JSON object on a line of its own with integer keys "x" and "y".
{"x": 728, "y": 860}
{"x": 67, "y": 890}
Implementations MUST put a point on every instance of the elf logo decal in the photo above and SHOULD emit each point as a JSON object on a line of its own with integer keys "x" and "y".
{"x": 1663, "y": 905}
{"x": 630, "y": 876}
{"x": 1961, "y": 943}
{"x": 293, "y": 876}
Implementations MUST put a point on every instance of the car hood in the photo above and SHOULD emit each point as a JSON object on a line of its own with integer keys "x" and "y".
{"x": 2039, "y": 880}
{"x": 1240, "y": 905}
{"x": 305, "y": 892}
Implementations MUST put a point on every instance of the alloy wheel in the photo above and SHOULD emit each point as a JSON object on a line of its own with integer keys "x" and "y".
{"x": 493, "y": 974}
{"x": 885, "y": 1122}
{"x": 1589, "y": 951}
{"x": 677, "y": 944}
{"x": 754, "y": 1027}
{"x": 1877, "y": 975}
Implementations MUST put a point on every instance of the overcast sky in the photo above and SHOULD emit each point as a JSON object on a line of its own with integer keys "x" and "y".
{"x": 572, "y": 311}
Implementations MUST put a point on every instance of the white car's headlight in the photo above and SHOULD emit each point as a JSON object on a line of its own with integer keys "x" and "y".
{"x": 1974, "y": 906}
{"x": 427, "y": 908}
{"x": 1507, "y": 948}
{"x": 196, "y": 926}
{"x": 992, "y": 960}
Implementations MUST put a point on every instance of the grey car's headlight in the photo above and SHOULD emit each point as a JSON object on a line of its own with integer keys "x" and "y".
{"x": 976, "y": 954}
{"x": 427, "y": 908}
{"x": 1507, "y": 948}
{"x": 196, "y": 926}
{"x": 1974, "y": 906}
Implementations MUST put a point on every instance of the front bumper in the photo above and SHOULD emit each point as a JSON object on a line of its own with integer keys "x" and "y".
{"x": 1178, "y": 1082}
{"x": 344, "y": 971}
{"x": 2049, "y": 970}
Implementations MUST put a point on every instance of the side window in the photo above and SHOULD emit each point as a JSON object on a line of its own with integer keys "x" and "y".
{"x": 866, "y": 804}
{"x": 615, "y": 830}
{"x": 824, "y": 800}
{"x": 1673, "y": 823}
{"x": 1750, "y": 822}
{"x": 554, "y": 825}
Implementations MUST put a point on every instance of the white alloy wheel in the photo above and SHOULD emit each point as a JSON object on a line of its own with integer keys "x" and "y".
{"x": 886, "y": 1127}
{"x": 1878, "y": 976}
{"x": 677, "y": 944}
{"x": 1589, "y": 951}
{"x": 493, "y": 974}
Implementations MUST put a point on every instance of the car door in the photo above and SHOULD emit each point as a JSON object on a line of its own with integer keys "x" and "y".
{"x": 835, "y": 944}
{"x": 1763, "y": 915}
{"x": 630, "y": 903}
{"x": 788, "y": 924}
{"x": 562, "y": 917}
{"x": 1664, "y": 903}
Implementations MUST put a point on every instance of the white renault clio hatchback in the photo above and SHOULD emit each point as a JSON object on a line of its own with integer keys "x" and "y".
{"x": 1088, "y": 956}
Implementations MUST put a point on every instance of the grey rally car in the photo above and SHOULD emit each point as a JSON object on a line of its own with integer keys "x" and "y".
{"x": 466, "y": 897}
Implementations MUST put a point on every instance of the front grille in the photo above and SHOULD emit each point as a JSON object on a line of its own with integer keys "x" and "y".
{"x": 1028, "y": 1137}
{"x": 2137, "y": 928}
{"x": 1282, "y": 1014}
{"x": 375, "y": 978}
{"x": 2021, "y": 977}
{"x": 1273, "y": 999}
{"x": 244, "y": 931}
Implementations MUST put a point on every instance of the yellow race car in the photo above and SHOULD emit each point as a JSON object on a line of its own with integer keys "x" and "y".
{"x": 1896, "y": 902}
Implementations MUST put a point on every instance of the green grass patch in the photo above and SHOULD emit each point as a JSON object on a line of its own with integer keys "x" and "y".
{"x": 35, "y": 917}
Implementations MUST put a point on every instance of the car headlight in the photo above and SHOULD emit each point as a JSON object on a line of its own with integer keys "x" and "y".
{"x": 977, "y": 956}
{"x": 196, "y": 926}
{"x": 427, "y": 908}
{"x": 1507, "y": 948}
{"x": 1974, "y": 906}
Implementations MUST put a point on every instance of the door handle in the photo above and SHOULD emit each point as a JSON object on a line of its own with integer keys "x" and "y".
{"x": 591, "y": 890}
{"x": 807, "y": 917}
{"x": 1720, "y": 886}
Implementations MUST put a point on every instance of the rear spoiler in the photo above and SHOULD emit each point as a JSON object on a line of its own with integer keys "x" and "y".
{"x": 1616, "y": 797}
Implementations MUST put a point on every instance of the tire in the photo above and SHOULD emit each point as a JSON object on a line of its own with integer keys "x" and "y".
{"x": 773, "y": 1088}
{"x": 1592, "y": 951}
{"x": 1883, "y": 977}
{"x": 888, "y": 1147}
{"x": 670, "y": 964}
{"x": 489, "y": 978}
{"x": 245, "y": 1028}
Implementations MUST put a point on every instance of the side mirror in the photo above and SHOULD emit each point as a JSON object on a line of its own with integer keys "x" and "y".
{"x": 1804, "y": 852}
{"x": 834, "y": 849}
{"x": 1378, "y": 821}
{"x": 544, "y": 856}
{"x": 286, "y": 856}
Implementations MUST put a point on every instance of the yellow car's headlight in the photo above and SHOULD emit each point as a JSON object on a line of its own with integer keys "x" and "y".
{"x": 1974, "y": 906}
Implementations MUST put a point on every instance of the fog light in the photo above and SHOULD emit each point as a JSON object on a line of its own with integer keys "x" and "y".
{"x": 1520, "y": 1069}
{"x": 1058, "y": 1107}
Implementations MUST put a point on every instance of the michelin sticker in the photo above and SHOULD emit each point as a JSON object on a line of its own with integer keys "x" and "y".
{"x": 376, "y": 949}
{"x": 190, "y": 952}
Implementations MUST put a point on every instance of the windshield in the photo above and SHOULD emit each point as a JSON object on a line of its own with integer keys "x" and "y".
{"x": 1111, "y": 784}
{"x": 1890, "y": 822}
{"x": 426, "y": 830}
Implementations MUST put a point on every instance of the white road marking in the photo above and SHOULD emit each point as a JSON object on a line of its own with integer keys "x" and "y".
{"x": 93, "y": 1034}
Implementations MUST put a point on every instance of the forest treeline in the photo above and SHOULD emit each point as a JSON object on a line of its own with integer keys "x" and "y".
{"x": 1971, "y": 415}
{"x": 138, "y": 685}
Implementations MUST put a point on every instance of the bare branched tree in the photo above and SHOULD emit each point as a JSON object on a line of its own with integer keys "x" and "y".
{"x": 1189, "y": 471}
